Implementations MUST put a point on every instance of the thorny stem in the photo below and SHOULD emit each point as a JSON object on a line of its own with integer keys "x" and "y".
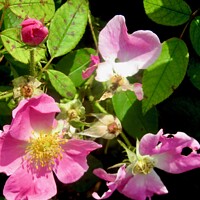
{"x": 191, "y": 18}
{"x": 92, "y": 30}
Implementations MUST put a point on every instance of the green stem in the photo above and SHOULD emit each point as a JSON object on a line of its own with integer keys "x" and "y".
{"x": 125, "y": 139}
{"x": 191, "y": 18}
{"x": 106, "y": 147}
{"x": 97, "y": 104}
{"x": 6, "y": 95}
{"x": 32, "y": 62}
{"x": 44, "y": 68}
{"x": 47, "y": 65}
{"x": 92, "y": 30}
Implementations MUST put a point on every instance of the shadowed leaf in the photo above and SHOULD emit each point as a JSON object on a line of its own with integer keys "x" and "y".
{"x": 166, "y": 74}
{"x": 167, "y": 12}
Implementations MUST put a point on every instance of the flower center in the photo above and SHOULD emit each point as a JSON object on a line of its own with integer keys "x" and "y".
{"x": 72, "y": 114}
{"x": 113, "y": 128}
{"x": 26, "y": 91}
{"x": 44, "y": 149}
{"x": 143, "y": 166}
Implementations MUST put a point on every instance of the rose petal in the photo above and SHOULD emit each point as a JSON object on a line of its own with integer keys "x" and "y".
{"x": 70, "y": 169}
{"x": 74, "y": 163}
{"x": 101, "y": 173}
{"x": 31, "y": 21}
{"x": 149, "y": 142}
{"x": 114, "y": 181}
{"x": 104, "y": 71}
{"x": 11, "y": 153}
{"x": 137, "y": 88}
{"x": 88, "y": 72}
{"x": 36, "y": 114}
{"x": 142, "y": 186}
{"x": 80, "y": 147}
{"x": 25, "y": 185}
{"x": 133, "y": 51}
{"x": 167, "y": 151}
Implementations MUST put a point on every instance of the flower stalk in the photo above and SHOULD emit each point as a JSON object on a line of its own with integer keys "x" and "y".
{"x": 32, "y": 62}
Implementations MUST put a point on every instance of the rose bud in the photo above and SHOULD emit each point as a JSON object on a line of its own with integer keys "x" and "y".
{"x": 33, "y": 32}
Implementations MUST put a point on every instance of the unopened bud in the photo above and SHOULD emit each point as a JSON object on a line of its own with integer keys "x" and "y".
{"x": 33, "y": 32}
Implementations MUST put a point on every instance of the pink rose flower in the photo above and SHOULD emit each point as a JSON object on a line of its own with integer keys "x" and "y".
{"x": 125, "y": 54}
{"x": 138, "y": 180}
{"x": 32, "y": 148}
{"x": 33, "y": 32}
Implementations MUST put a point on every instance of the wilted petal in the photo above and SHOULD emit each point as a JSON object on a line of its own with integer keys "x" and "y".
{"x": 167, "y": 151}
{"x": 101, "y": 173}
{"x": 114, "y": 181}
{"x": 92, "y": 67}
{"x": 88, "y": 72}
{"x": 107, "y": 127}
{"x": 137, "y": 88}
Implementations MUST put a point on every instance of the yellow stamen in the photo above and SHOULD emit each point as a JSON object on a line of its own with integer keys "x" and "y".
{"x": 143, "y": 166}
{"x": 43, "y": 149}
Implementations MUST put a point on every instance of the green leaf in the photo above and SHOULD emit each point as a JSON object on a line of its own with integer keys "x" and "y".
{"x": 166, "y": 74}
{"x": 195, "y": 34}
{"x": 74, "y": 63}
{"x": 5, "y": 110}
{"x": 130, "y": 152}
{"x": 167, "y": 12}
{"x": 12, "y": 42}
{"x": 67, "y": 27}
{"x": 129, "y": 111}
{"x": 194, "y": 71}
{"x": 41, "y": 10}
{"x": 2, "y": 3}
{"x": 17, "y": 68}
{"x": 11, "y": 20}
{"x": 62, "y": 83}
